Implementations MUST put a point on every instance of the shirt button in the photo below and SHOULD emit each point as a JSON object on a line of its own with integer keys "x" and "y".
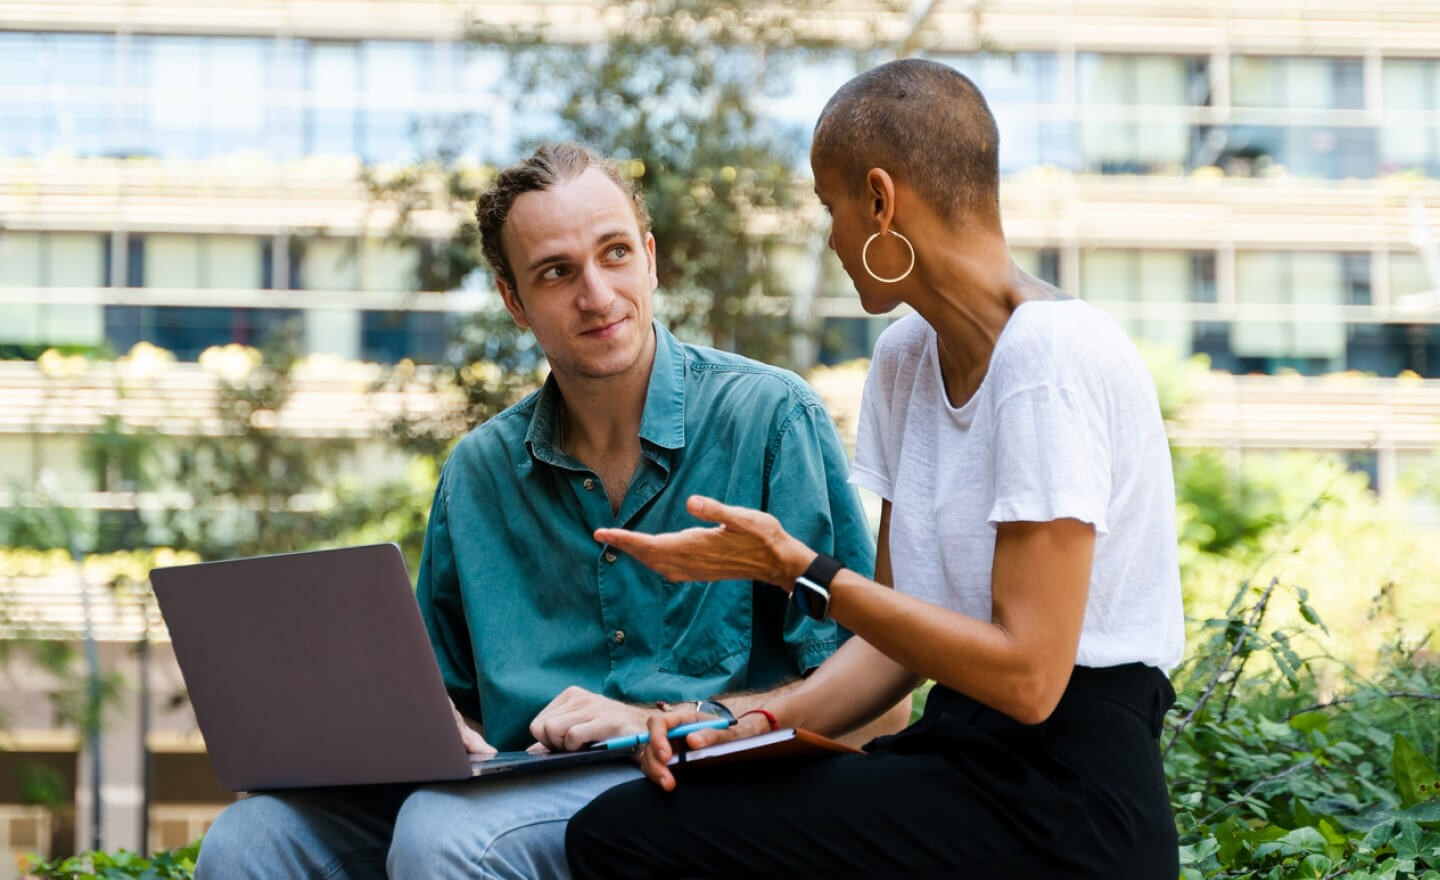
{"x": 619, "y": 636}
{"x": 588, "y": 484}
{"x": 610, "y": 556}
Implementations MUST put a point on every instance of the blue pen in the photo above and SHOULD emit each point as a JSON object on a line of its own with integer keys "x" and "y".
{"x": 637, "y": 739}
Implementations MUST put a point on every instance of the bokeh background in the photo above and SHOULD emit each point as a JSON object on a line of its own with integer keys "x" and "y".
{"x": 241, "y": 311}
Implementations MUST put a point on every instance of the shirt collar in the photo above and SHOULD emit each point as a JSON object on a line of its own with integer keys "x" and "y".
{"x": 662, "y": 423}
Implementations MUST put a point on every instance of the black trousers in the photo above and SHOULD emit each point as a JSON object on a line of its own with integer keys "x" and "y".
{"x": 965, "y": 792}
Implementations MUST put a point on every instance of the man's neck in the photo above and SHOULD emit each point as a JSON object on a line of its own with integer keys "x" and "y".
{"x": 599, "y": 424}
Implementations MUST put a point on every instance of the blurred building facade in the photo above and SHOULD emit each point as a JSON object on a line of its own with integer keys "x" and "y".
{"x": 1253, "y": 180}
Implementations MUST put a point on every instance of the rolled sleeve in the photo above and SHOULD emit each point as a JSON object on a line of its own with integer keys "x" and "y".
{"x": 808, "y": 492}
{"x": 442, "y": 607}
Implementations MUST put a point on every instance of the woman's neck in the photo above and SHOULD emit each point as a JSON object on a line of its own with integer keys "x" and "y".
{"x": 967, "y": 296}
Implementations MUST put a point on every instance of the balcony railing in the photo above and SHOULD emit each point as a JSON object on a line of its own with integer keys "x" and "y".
{"x": 955, "y": 25}
{"x": 181, "y": 400}
{"x": 1041, "y": 206}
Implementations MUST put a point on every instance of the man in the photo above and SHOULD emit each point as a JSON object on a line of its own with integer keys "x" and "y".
{"x": 545, "y": 638}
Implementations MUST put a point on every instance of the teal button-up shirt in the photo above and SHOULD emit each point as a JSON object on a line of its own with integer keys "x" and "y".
{"x": 521, "y": 602}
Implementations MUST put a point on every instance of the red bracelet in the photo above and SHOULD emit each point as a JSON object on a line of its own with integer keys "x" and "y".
{"x": 769, "y": 716}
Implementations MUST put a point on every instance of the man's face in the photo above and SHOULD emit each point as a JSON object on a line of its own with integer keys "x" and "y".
{"x": 584, "y": 276}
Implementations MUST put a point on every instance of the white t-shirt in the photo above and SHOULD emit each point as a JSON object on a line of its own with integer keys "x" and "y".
{"x": 1066, "y": 424}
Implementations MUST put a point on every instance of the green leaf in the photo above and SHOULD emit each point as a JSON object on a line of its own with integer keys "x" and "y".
{"x": 1409, "y": 841}
{"x": 1314, "y": 866}
{"x": 1415, "y": 779}
{"x": 1379, "y": 835}
{"x": 1307, "y": 722}
{"x": 1306, "y": 840}
{"x": 1194, "y": 855}
{"x": 1232, "y": 837}
{"x": 1426, "y": 814}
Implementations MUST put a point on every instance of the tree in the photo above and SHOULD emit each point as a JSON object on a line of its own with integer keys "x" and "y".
{"x": 674, "y": 92}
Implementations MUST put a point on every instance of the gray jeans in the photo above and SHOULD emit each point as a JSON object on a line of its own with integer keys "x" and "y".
{"x": 498, "y": 828}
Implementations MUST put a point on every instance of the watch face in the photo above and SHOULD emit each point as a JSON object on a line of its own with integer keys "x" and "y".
{"x": 812, "y": 600}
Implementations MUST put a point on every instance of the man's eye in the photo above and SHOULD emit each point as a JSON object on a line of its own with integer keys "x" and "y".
{"x": 619, "y": 251}
{"x": 552, "y": 273}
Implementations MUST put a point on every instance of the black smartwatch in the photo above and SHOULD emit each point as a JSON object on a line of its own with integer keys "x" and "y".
{"x": 811, "y": 593}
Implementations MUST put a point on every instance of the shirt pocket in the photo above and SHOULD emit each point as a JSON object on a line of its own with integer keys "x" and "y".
{"x": 706, "y": 627}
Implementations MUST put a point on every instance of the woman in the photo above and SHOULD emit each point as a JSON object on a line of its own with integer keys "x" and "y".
{"x": 1028, "y": 531}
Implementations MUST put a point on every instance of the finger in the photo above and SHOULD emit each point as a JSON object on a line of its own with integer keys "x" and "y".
{"x": 625, "y": 539}
{"x": 711, "y": 510}
{"x": 655, "y": 770}
{"x": 551, "y": 731}
{"x": 702, "y": 738}
{"x": 578, "y": 736}
{"x": 666, "y": 554}
{"x": 659, "y": 728}
{"x": 475, "y": 744}
{"x": 537, "y": 749}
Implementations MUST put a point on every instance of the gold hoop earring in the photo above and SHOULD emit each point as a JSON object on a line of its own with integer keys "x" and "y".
{"x": 865, "y": 258}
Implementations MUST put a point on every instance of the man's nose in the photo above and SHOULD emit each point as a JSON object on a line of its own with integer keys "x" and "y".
{"x": 596, "y": 289}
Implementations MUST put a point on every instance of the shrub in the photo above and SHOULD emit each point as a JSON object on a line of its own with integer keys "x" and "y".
{"x": 176, "y": 864}
{"x": 1277, "y": 772}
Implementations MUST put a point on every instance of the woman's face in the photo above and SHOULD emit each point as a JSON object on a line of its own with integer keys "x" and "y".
{"x": 852, "y": 222}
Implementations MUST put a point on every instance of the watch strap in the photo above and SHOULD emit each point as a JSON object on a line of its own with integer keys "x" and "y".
{"x": 811, "y": 593}
{"x": 823, "y": 570}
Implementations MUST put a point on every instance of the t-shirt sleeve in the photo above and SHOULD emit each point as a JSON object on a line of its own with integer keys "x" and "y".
{"x": 873, "y": 469}
{"x": 1051, "y": 457}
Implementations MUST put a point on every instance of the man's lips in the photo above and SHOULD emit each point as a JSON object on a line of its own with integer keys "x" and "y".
{"x": 606, "y": 329}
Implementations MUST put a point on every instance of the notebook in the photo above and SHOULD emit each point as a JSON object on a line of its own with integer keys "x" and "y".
{"x": 785, "y": 743}
{"x": 314, "y": 669}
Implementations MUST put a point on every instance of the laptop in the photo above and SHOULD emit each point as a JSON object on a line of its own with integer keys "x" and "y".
{"x": 314, "y": 669}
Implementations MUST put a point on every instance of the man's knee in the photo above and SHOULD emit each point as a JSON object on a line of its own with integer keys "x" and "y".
{"x": 297, "y": 837}
{"x": 238, "y": 833}
{"x": 441, "y": 835}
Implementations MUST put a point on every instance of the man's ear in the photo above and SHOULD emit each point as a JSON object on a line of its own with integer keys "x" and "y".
{"x": 650, "y": 256}
{"x": 512, "y": 303}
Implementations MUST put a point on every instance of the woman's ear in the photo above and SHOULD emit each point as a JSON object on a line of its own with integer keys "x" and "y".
{"x": 881, "y": 189}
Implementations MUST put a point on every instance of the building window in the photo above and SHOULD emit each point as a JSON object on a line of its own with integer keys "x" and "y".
{"x": 1272, "y": 86}
{"x": 195, "y": 264}
{"x": 1147, "y": 291}
{"x": 1023, "y": 90}
{"x": 55, "y": 93}
{"x": 51, "y": 259}
{"x": 1135, "y": 115}
{"x": 1410, "y": 133}
{"x": 1297, "y": 83}
{"x": 1412, "y": 281}
{"x": 1294, "y": 301}
{"x": 1043, "y": 263}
